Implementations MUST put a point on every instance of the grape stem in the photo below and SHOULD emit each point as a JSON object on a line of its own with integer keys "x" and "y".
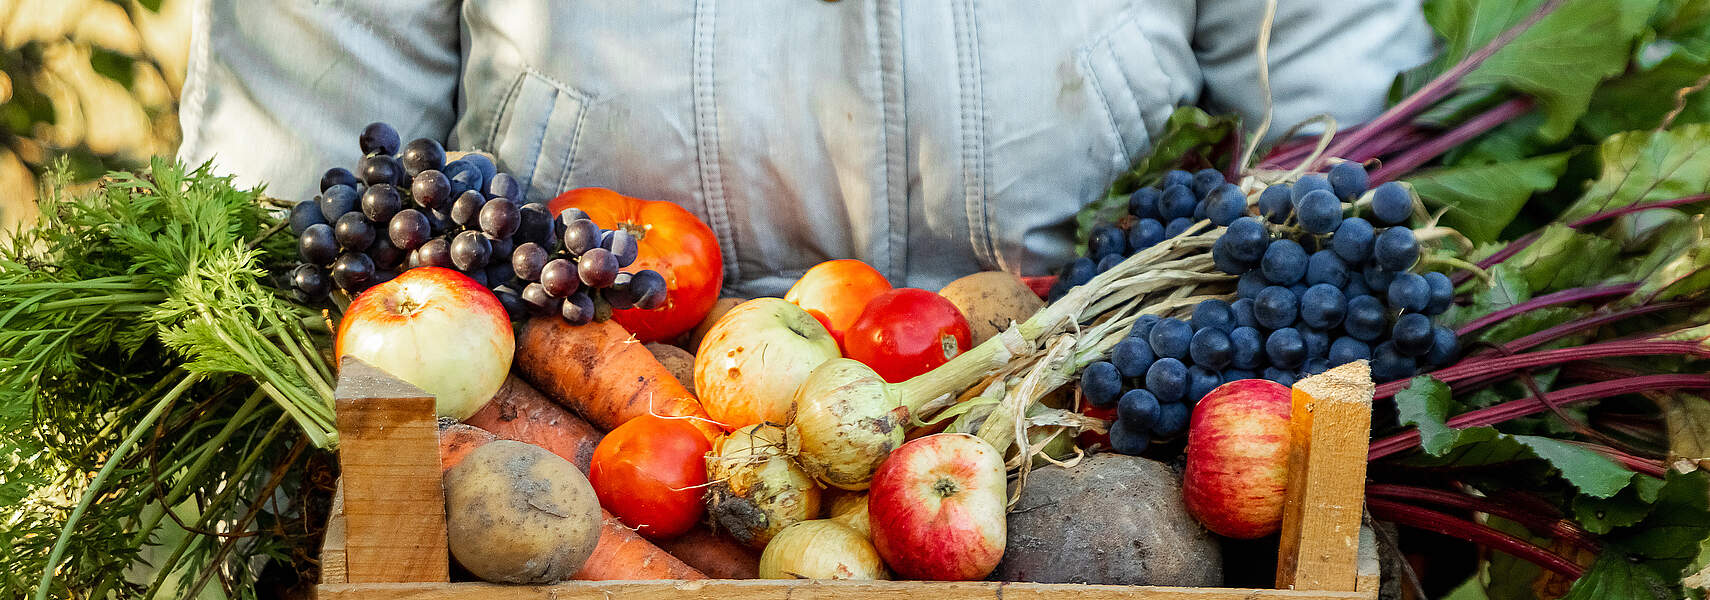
{"x": 1477, "y": 533}
{"x": 1562, "y": 297}
{"x": 1440, "y": 86}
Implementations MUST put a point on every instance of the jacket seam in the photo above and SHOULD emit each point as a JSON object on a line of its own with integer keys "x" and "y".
{"x": 893, "y": 111}
{"x": 583, "y": 106}
{"x": 499, "y": 110}
{"x": 707, "y": 139}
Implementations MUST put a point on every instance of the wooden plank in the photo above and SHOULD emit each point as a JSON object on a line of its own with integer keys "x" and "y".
{"x": 394, "y": 503}
{"x": 333, "y": 568}
{"x": 1330, "y": 428}
{"x": 761, "y": 589}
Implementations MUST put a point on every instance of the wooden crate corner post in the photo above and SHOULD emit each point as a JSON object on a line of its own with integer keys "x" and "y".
{"x": 391, "y": 491}
{"x": 1330, "y": 431}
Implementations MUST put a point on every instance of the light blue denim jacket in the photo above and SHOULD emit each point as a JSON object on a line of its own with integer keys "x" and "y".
{"x": 929, "y": 138}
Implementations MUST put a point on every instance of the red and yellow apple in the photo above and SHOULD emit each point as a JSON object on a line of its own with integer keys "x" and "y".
{"x": 751, "y": 362}
{"x": 937, "y": 508}
{"x": 1237, "y": 458}
{"x": 436, "y": 329}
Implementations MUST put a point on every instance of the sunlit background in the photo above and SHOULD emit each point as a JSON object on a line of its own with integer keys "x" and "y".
{"x": 94, "y": 82}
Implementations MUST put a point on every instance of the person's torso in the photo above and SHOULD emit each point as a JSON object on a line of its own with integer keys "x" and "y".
{"x": 928, "y": 139}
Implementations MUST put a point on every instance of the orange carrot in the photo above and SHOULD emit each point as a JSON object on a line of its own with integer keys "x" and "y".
{"x": 519, "y": 412}
{"x": 624, "y": 555}
{"x": 719, "y": 557}
{"x": 620, "y": 554}
{"x": 457, "y": 440}
{"x": 603, "y": 373}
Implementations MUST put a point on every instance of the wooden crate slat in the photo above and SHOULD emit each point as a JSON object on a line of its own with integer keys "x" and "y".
{"x": 1330, "y": 429}
{"x": 393, "y": 500}
{"x": 760, "y": 589}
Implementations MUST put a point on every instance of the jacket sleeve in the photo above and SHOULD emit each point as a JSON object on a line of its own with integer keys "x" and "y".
{"x": 1325, "y": 57}
{"x": 277, "y": 92}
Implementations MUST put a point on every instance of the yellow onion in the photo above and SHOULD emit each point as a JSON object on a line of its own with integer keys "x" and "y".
{"x": 756, "y": 489}
{"x": 848, "y": 419}
{"x": 821, "y": 549}
{"x": 852, "y": 511}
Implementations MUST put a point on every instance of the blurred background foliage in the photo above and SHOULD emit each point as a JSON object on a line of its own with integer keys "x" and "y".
{"x": 93, "y": 81}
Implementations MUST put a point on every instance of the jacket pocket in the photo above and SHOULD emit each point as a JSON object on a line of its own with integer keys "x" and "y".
{"x": 1130, "y": 82}
{"x": 536, "y": 131}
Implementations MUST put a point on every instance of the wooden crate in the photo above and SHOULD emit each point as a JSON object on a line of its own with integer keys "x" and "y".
{"x": 386, "y": 538}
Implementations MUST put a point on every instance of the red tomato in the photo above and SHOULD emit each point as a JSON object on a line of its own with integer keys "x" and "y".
{"x": 671, "y": 241}
{"x": 649, "y": 471}
{"x": 835, "y": 291}
{"x": 1088, "y": 438}
{"x": 907, "y": 331}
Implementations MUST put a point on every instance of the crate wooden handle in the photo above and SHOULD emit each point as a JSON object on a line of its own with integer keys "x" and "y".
{"x": 1330, "y": 429}
{"x": 393, "y": 499}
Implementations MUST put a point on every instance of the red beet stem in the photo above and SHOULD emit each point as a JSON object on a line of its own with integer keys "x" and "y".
{"x": 1439, "y": 87}
{"x": 1514, "y": 409}
{"x": 1474, "y": 127}
{"x": 1562, "y": 297}
{"x": 1484, "y": 535}
{"x": 1586, "y": 324}
{"x": 1553, "y": 526}
{"x": 1638, "y": 207}
{"x": 1474, "y": 367}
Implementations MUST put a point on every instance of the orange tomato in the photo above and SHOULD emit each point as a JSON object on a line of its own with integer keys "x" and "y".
{"x": 669, "y": 240}
{"x": 835, "y": 291}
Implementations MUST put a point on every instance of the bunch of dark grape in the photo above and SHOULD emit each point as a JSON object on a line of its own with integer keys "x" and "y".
{"x": 1318, "y": 287}
{"x": 411, "y": 208}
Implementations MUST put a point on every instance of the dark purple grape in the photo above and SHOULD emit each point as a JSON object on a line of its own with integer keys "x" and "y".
{"x": 304, "y": 214}
{"x": 469, "y": 251}
{"x": 618, "y": 295}
{"x": 512, "y": 301}
{"x": 572, "y": 214}
{"x": 353, "y": 232}
{"x": 382, "y": 276}
{"x": 499, "y": 217}
{"x": 502, "y": 248}
{"x": 380, "y": 202}
{"x": 580, "y": 236}
{"x": 380, "y": 168}
{"x": 434, "y": 253}
{"x": 538, "y": 302}
{"x": 422, "y": 154}
{"x": 560, "y": 278}
{"x": 483, "y": 165}
{"x": 385, "y": 254}
{"x": 378, "y": 137}
{"x": 578, "y": 309}
{"x": 338, "y": 200}
{"x": 440, "y": 220}
{"x": 467, "y": 208}
{"x": 534, "y": 226}
{"x": 623, "y": 246}
{"x": 338, "y": 176}
{"x": 311, "y": 281}
{"x": 597, "y": 268}
{"x": 431, "y": 189}
{"x": 409, "y": 229}
{"x": 606, "y": 238}
{"x": 499, "y": 272}
{"x": 648, "y": 288}
{"x": 527, "y": 261}
{"x": 504, "y": 185}
{"x": 480, "y": 277}
{"x": 464, "y": 178}
{"x": 353, "y": 271}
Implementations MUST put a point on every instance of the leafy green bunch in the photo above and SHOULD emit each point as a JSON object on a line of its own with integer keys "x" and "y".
{"x": 158, "y": 395}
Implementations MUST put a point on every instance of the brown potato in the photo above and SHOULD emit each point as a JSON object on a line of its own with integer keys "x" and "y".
{"x": 516, "y": 513}
{"x": 990, "y": 300}
{"x": 680, "y": 362}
